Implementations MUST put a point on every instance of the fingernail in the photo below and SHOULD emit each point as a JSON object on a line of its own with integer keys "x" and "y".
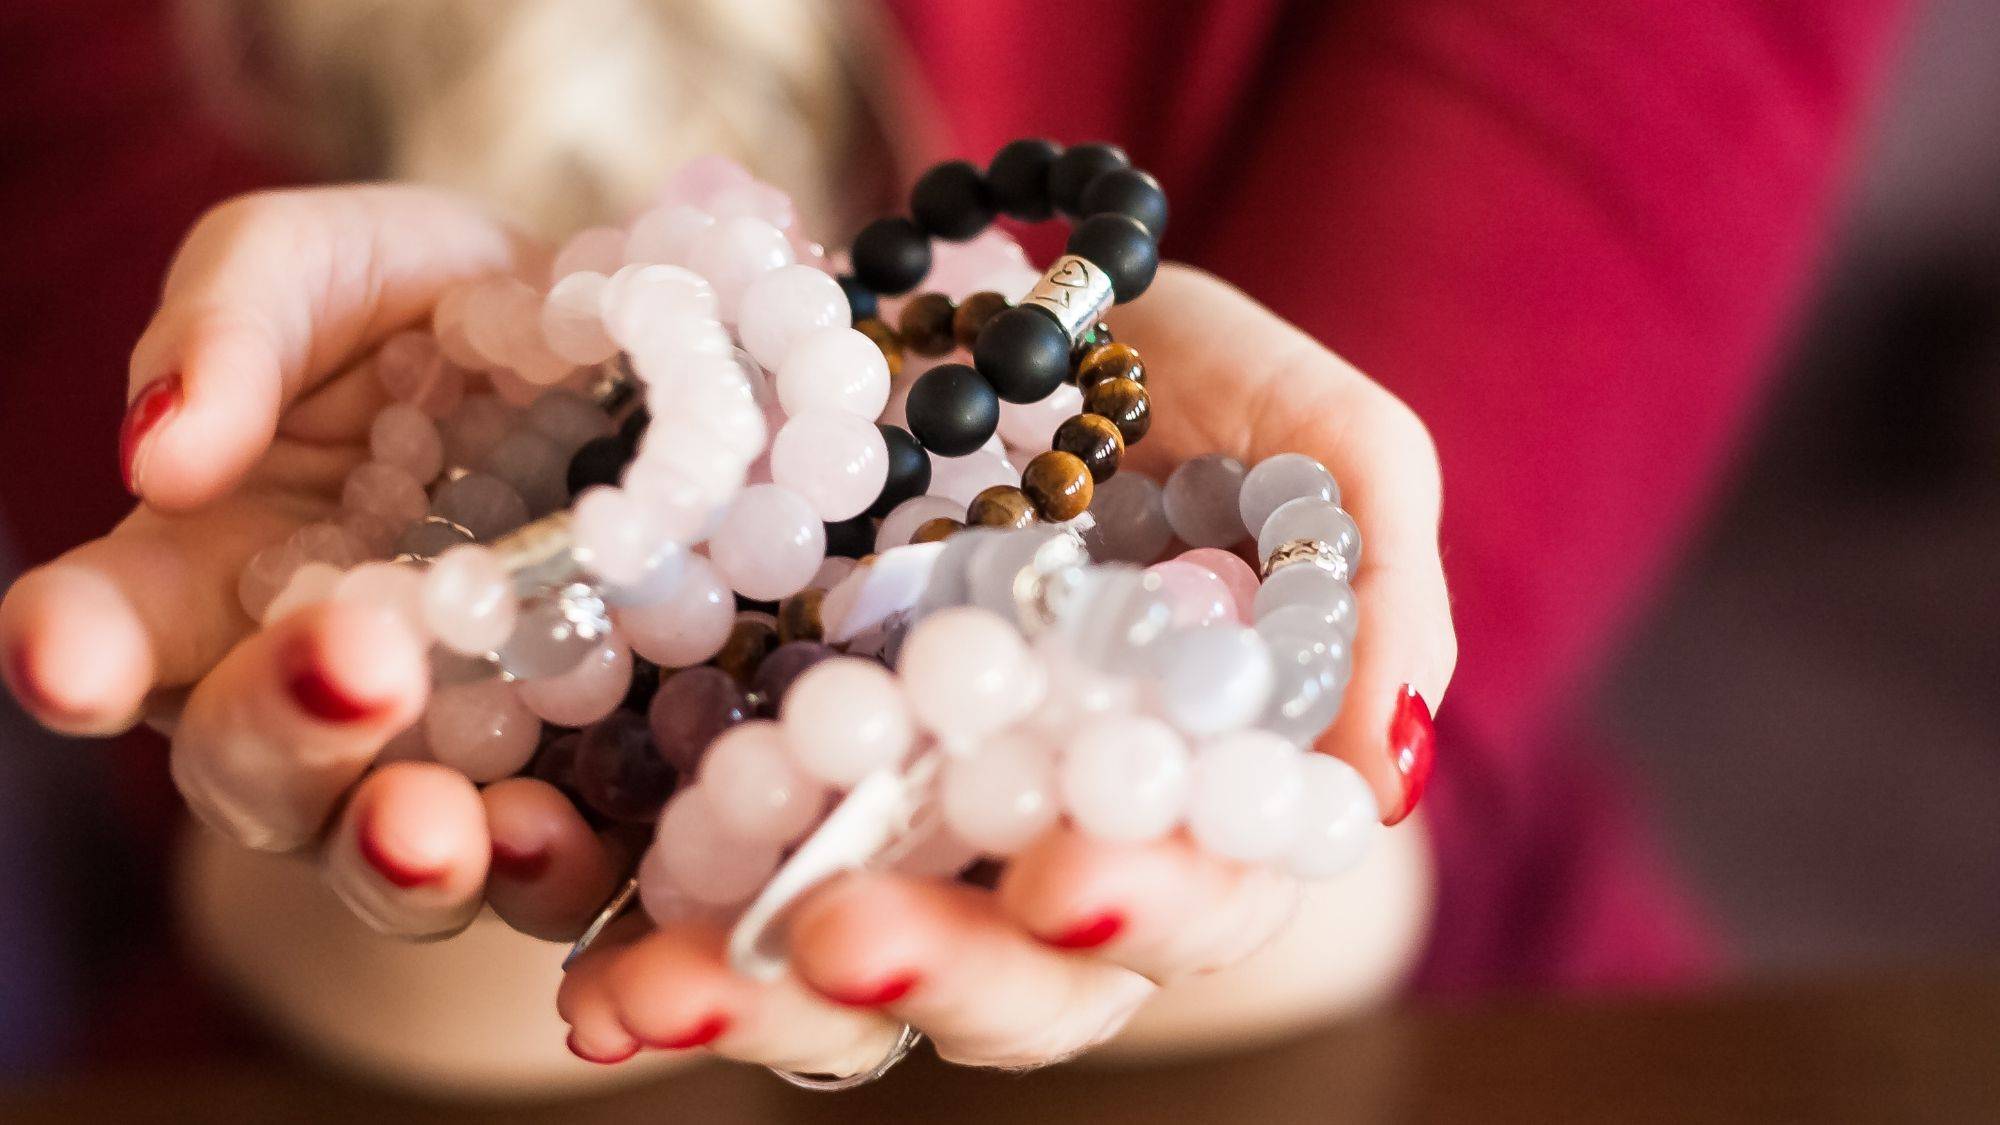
{"x": 398, "y": 872}
{"x": 520, "y": 865}
{"x": 888, "y": 992}
{"x": 155, "y": 401}
{"x": 601, "y": 1060}
{"x": 1089, "y": 934}
{"x": 703, "y": 1033}
{"x": 317, "y": 695}
{"x": 1411, "y": 743}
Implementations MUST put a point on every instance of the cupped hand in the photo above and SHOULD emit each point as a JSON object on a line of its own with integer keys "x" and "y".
{"x": 251, "y": 400}
{"x": 1080, "y": 932}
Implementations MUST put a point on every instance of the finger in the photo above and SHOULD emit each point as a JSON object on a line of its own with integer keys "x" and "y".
{"x": 270, "y": 294}
{"x": 946, "y": 959}
{"x": 549, "y": 872}
{"x": 273, "y": 737}
{"x": 584, "y": 1000}
{"x": 1164, "y": 909}
{"x": 409, "y": 854}
{"x": 1237, "y": 379}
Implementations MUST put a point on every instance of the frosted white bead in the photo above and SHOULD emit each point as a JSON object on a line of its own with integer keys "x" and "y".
{"x": 1338, "y": 821}
{"x": 755, "y": 789}
{"x": 586, "y": 693}
{"x": 785, "y": 304}
{"x": 844, "y": 718}
{"x": 837, "y": 462}
{"x": 1002, "y": 797}
{"x": 1277, "y": 480}
{"x": 406, "y": 437}
{"x": 689, "y": 625}
{"x": 310, "y": 584}
{"x": 833, "y": 368}
{"x": 385, "y": 490}
{"x": 1200, "y": 500}
{"x": 482, "y": 730}
{"x": 1031, "y": 425}
{"x": 1212, "y": 680}
{"x": 903, "y": 520}
{"x": 768, "y": 543}
{"x": 704, "y": 862}
{"x": 968, "y": 674}
{"x": 1247, "y": 796}
{"x": 573, "y": 320}
{"x": 468, "y": 601}
{"x": 593, "y": 250}
{"x": 1124, "y": 778}
{"x": 735, "y": 252}
{"x": 664, "y": 235}
{"x": 959, "y": 479}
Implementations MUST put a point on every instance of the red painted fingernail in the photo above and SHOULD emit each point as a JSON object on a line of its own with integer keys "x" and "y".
{"x": 399, "y": 873}
{"x": 703, "y": 1033}
{"x": 317, "y": 695}
{"x": 888, "y": 992}
{"x": 579, "y": 1052}
{"x": 153, "y": 404}
{"x": 1090, "y": 934}
{"x": 1412, "y": 740}
{"x": 523, "y": 866}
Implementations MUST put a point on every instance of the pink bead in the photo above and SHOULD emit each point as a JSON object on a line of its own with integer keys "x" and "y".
{"x": 1197, "y": 596}
{"x": 1232, "y": 570}
{"x": 471, "y": 432}
{"x": 310, "y": 584}
{"x": 326, "y": 542}
{"x": 844, "y": 719}
{"x": 701, "y": 860}
{"x": 1125, "y": 777}
{"x": 769, "y": 543}
{"x": 390, "y": 585}
{"x": 448, "y": 325}
{"x": 680, "y": 508}
{"x": 785, "y": 304}
{"x": 404, "y": 436}
{"x": 573, "y": 319}
{"x": 968, "y": 674}
{"x": 615, "y": 535}
{"x": 830, "y": 572}
{"x": 959, "y": 479}
{"x": 1247, "y": 796}
{"x": 482, "y": 730}
{"x": 735, "y": 252}
{"x": 406, "y": 363}
{"x": 264, "y": 577}
{"x": 1000, "y": 798}
{"x": 468, "y": 601}
{"x": 700, "y": 180}
{"x": 385, "y": 490}
{"x": 656, "y": 310}
{"x": 496, "y": 313}
{"x": 591, "y": 250}
{"x": 1032, "y": 425}
{"x": 1340, "y": 820}
{"x": 687, "y": 627}
{"x": 936, "y": 853}
{"x": 904, "y": 520}
{"x": 833, "y": 368}
{"x": 755, "y": 200}
{"x": 958, "y": 267}
{"x": 754, "y": 788}
{"x": 837, "y": 462}
{"x": 586, "y": 693}
{"x": 664, "y": 235}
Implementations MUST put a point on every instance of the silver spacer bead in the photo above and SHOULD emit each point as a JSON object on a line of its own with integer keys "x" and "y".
{"x": 1075, "y": 292}
{"x": 1318, "y": 552}
{"x": 1040, "y": 587}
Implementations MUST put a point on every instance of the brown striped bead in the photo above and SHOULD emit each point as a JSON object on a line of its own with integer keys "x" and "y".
{"x": 798, "y": 616}
{"x": 885, "y": 338}
{"x": 1110, "y": 361}
{"x": 1094, "y": 440}
{"x": 936, "y": 530}
{"x": 1125, "y": 403}
{"x": 750, "y": 641}
{"x": 926, "y": 324}
{"x": 1059, "y": 484}
{"x": 1002, "y": 505}
{"x": 972, "y": 315}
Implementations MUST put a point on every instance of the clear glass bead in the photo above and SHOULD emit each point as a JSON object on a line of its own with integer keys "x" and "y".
{"x": 553, "y": 633}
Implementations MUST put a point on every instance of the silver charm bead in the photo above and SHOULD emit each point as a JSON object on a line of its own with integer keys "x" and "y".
{"x": 1075, "y": 291}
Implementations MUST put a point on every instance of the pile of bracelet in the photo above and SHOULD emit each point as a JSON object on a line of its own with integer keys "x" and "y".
{"x": 696, "y": 535}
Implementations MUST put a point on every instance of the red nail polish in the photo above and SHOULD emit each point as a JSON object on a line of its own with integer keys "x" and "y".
{"x": 1089, "y": 934}
{"x": 579, "y": 1052}
{"x": 1412, "y": 740}
{"x": 317, "y": 695}
{"x": 154, "y": 402}
{"x": 703, "y": 1033}
{"x": 521, "y": 866}
{"x": 888, "y": 992}
{"x": 399, "y": 874}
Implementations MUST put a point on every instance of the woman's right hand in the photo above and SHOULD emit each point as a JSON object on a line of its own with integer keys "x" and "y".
{"x": 251, "y": 397}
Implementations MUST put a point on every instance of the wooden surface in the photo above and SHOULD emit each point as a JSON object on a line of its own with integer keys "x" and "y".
{"x": 1919, "y": 1046}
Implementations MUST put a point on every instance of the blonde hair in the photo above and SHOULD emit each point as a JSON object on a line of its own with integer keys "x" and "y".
{"x": 560, "y": 113}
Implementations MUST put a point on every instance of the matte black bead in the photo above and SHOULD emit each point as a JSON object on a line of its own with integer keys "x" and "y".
{"x": 909, "y": 474}
{"x": 891, "y": 256}
{"x": 1073, "y": 171}
{"x": 1018, "y": 178}
{"x": 951, "y": 201}
{"x": 1119, "y": 246}
{"x": 850, "y": 539}
{"x": 861, "y": 302}
{"x": 600, "y": 461}
{"x": 1131, "y": 193}
{"x": 952, "y": 410}
{"x": 634, "y": 428}
{"x": 1023, "y": 354}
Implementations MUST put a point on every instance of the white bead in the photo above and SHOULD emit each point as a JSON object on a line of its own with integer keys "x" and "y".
{"x": 968, "y": 674}
{"x": 573, "y": 320}
{"x": 1002, "y": 797}
{"x": 701, "y": 860}
{"x": 844, "y": 718}
{"x": 755, "y": 789}
{"x": 1339, "y": 820}
{"x": 1125, "y": 778}
{"x": 1031, "y": 425}
{"x": 837, "y": 462}
{"x": 959, "y": 479}
{"x": 482, "y": 730}
{"x": 468, "y": 601}
{"x": 735, "y": 252}
{"x": 785, "y": 304}
{"x": 1247, "y": 796}
{"x": 833, "y": 368}
{"x": 586, "y": 693}
{"x": 1212, "y": 679}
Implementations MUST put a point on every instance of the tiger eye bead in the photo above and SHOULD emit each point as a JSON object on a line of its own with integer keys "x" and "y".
{"x": 1110, "y": 361}
{"x": 1002, "y": 505}
{"x": 890, "y": 344}
{"x": 1125, "y": 403}
{"x": 1098, "y": 336}
{"x": 926, "y": 324}
{"x": 936, "y": 530}
{"x": 750, "y": 641}
{"x": 1094, "y": 440}
{"x": 972, "y": 315}
{"x": 798, "y": 616}
{"x": 1059, "y": 484}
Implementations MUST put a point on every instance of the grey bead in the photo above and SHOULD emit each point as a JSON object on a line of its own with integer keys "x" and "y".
{"x": 1312, "y": 590}
{"x": 1310, "y": 518}
{"x": 1311, "y": 666}
{"x": 430, "y": 537}
{"x": 1277, "y": 480}
{"x": 1131, "y": 522}
{"x": 996, "y": 565}
{"x": 1201, "y": 501}
{"x": 482, "y": 504}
